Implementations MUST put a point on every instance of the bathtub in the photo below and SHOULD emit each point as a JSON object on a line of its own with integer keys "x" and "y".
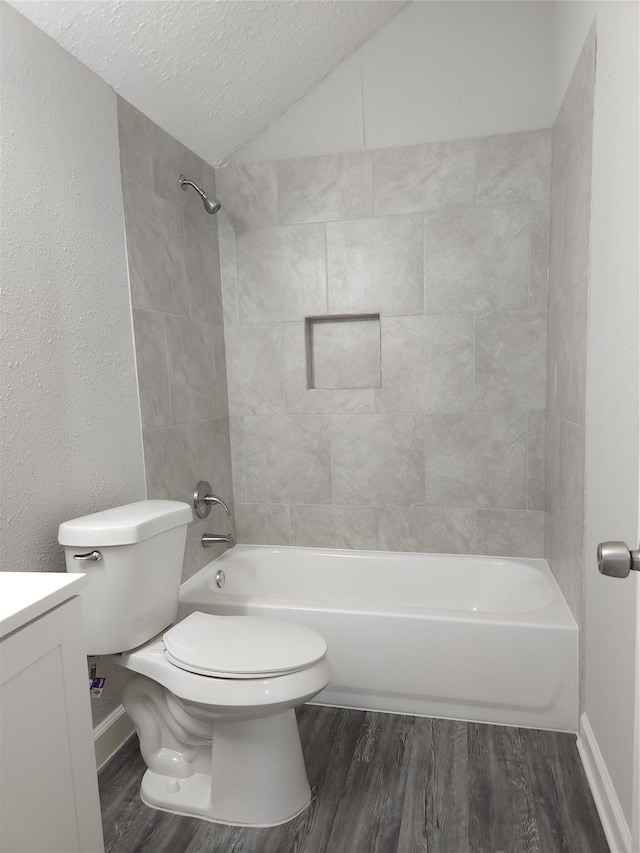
{"x": 482, "y": 639}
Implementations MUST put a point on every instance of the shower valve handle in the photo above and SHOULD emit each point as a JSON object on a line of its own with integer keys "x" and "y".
{"x": 204, "y": 499}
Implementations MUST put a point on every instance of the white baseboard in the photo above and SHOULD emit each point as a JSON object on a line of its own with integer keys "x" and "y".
{"x": 613, "y": 820}
{"x": 110, "y": 734}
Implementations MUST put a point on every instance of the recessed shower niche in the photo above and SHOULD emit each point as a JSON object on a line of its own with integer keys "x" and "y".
{"x": 343, "y": 351}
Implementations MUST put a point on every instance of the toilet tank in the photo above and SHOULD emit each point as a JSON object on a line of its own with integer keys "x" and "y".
{"x": 132, "y": 590}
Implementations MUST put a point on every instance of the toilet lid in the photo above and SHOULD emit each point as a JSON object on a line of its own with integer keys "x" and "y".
{"x": 241, "y": 646}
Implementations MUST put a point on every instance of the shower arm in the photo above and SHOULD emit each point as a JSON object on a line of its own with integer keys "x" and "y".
{"x": 210, "y": 205}
{"x": 185, "y": 182}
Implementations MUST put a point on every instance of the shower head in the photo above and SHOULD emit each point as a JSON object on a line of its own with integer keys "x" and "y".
{"x": 209, "y": 205}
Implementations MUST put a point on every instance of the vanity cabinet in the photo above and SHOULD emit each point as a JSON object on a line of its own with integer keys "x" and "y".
{"x": 48, "y": 781}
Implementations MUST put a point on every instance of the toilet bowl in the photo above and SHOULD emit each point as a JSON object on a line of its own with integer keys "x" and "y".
{"x": 212, "y": 697}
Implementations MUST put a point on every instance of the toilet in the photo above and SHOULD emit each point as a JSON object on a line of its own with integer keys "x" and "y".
{"x": 212, "y": 697}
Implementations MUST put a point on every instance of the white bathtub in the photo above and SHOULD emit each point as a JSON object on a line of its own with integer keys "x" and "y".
{"x": 483, "y": 639}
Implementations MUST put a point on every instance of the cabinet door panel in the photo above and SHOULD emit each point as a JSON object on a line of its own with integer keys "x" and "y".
{"x": 48, "y": 783}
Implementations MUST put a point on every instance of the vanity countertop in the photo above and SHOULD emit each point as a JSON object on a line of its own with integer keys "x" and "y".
{"x": 26, "y": 595}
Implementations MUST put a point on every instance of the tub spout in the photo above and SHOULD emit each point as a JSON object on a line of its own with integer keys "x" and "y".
{"x": 210, "y": 539}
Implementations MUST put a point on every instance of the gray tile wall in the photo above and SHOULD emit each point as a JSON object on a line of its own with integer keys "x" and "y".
{"x": 568, "y": 305}
{"x": 174, "y": 273}
{"x": 448, "y": 243}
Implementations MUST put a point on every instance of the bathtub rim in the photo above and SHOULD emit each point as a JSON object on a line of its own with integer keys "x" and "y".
{"x": 556, "y": 611}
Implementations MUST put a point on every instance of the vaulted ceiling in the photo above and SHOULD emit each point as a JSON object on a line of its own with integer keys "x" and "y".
{"x": 213, "y": 73}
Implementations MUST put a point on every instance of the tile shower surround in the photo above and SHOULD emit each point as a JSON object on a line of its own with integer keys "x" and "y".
{"x": 448, "y": 243}
{"x": 174, "y": 273}
{"x": 567, "y": 351}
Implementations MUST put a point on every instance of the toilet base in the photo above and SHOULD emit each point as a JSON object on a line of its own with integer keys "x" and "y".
{"x": 192, "y": 799}
{"x": 240, "y": 771}
{"x": 230, "y": 752}
{"x": 257, "y": 776}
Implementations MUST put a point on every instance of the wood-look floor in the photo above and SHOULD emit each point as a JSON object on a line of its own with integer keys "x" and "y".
{"x": 390, "y": 784}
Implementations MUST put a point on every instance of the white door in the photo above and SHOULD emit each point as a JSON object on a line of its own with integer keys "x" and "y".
{"x": 636, "y": 765}
{"x": 609, "y": 724}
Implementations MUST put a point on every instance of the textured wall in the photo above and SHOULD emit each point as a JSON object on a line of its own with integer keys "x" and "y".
{"x": 70, "y": 421}
{"x": 448, "y": 244}
{"x": 71, "y": 441}
{"x": 567, "y": 349}
{"x": 172, "y": 246}
{"x": 436, "y": 71}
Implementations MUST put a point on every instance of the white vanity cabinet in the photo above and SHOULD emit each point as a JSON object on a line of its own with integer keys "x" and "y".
{"x": 48, "y": 782}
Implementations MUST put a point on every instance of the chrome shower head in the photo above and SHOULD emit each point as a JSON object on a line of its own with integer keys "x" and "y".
{"x": 209, "y": 205}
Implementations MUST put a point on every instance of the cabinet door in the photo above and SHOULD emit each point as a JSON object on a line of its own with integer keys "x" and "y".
{"x": 48, "y": 782}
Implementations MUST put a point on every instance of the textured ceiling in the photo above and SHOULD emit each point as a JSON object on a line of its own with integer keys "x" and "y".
{"x": 213, "y": 73}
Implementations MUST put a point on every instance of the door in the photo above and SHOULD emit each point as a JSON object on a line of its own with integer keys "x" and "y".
{"x": 636, "y": 752}
{"x": 609, "y": 722}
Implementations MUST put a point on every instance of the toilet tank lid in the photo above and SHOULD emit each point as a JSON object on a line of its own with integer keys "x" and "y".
{"x": 124, "y": 525}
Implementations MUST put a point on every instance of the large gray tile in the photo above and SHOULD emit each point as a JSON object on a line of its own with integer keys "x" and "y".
{"x": 510, "y": 360}
{"x": 374, "y": 266}
{"x": 536, "y": 460}
{"x": 155, "y": 249}
{"x": 220, "y": 397}
{"x": 566, "y": 561}
{"x": 569, "y": 517}
{"x": 288, "y": 458}
{"x": 552, "y": 465}
{"x": 423, "y": 177}
{"x": 319, "y": 189}
{"x": 170, "y": 159}
{"x": 249, "y": 194}
{"x": 263, "y": 524}
{"x": 539, "y": 260}
{"x": 299, "y": 398}
{"x": 513, "y": 167}
{"x": 238, "y": 467}
{"x": 565, "y": 464}
{"x": 255, "y": 369}
{"x": 574, "y": 124}
{"x": 378, "y": 459}
{"x": 334, "y": 527}
{"x": 135, "y": 132}
{"x": 476, "y": 460}
{"x": 228, "y": 278}
{"x": 154, "y": 159}
{"x": 152, "y": 368}
{"x": 345, "y": 353}
{"x": 427, "y": 364}
{"x": 213, "y": 449}
{"x": 195, "y": 556}
{"x": 190, "y": 346}
{"x": 427, "y": 529}
{"x": 567, "y": 355}
{"x": 510, "y": 533}
{"x": 281, "y": 273}
{"x": 576, "y": 217}
{"x": 477, "y": 259}
{"x": 171, "y": 463}
{"x": 556, "y": 240}
{"x": 202, "y": 266}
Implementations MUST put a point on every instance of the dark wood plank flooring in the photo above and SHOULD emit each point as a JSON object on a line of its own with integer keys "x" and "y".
{"x": 390, "y": 784}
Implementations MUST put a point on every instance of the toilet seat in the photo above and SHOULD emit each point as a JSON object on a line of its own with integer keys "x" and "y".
{"x": 241, "y": 647}
{"x": 247, "y": 697}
